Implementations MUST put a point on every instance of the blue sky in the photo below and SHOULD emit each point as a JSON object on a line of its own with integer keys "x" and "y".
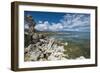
{"x": 57, "y": 21}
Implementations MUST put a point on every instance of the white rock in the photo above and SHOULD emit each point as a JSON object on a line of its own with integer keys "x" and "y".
{"x": 81, "y": 57}
{"x": 66, "y": 43}
{"x": 56, "y": 52}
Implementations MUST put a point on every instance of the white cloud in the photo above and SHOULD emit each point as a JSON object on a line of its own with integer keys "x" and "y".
{"x": 42, "y": 26}
{"x": 75, "y": 21}
{"x": 46, "y": 26}
{"x": 40, "y": 22}
{"x": 70, "y": 22}
{"x": 56, "y": 27}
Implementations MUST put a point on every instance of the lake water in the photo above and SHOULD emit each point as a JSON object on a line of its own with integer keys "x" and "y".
{"x": 72, "y": 36}
{"x": 77, "y": 41}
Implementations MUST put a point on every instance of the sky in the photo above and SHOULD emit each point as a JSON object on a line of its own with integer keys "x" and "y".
{"x": 57, "y": 21}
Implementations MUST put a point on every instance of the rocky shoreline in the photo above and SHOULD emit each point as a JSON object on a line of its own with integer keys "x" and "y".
{"x": 43, "y": 48}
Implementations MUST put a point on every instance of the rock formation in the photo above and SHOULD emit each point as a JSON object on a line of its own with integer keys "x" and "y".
{"x": 45, "y": 50}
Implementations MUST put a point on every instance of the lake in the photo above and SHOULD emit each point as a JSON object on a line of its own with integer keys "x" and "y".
{"x": 78, "y": 43}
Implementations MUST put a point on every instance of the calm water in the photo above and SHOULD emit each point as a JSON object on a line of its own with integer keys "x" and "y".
{"x": 80, "y": 40}
{"x": 72, "y": 36}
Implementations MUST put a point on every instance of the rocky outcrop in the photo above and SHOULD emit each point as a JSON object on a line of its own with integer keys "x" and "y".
{"x": 43, "y": 48}
{"x": 30, "y": 22}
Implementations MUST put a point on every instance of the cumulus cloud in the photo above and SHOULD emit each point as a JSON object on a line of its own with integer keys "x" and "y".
{"x": 56, "y": 27}
{"x": 42, "y": 26}
{"x": 46, "y": 26}
{"x": 40, "y": 22}
{"x": 69, "y": 22}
